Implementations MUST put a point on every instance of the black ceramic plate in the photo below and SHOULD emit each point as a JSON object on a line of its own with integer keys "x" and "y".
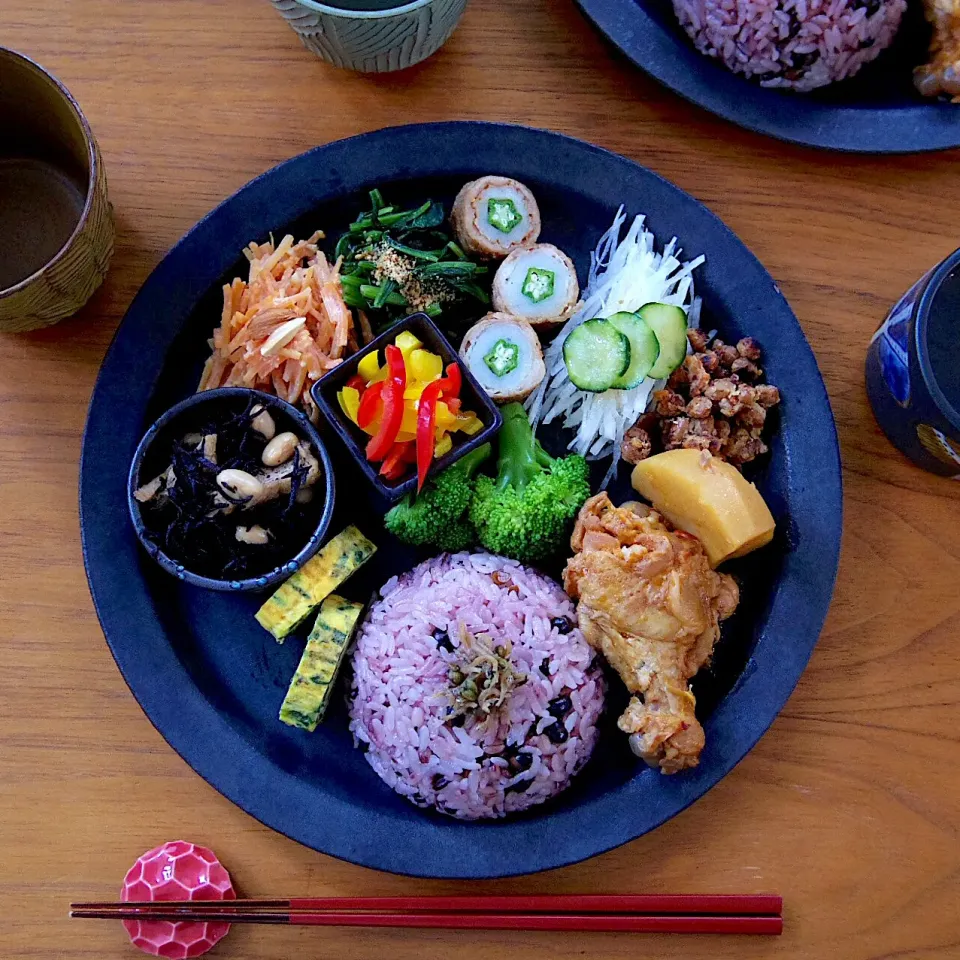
{"x": 877, "y": 111}
{"x": 211, "y": 679}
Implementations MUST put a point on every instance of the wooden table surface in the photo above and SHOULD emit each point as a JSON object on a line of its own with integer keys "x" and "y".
{"x": 849, "y": 806}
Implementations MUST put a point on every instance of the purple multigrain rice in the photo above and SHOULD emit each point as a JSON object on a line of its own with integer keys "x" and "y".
{"x": 480, "y": 766}
{"x": 800, "y": 44}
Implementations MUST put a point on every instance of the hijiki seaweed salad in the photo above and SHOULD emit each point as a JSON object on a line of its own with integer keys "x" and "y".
{"x": 236, "y": 497}
{"x": 476, "y": 678}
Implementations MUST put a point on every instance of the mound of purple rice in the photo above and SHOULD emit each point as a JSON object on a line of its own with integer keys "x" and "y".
{"x": 407, "y": 707}
{"x": 800, "y": 44}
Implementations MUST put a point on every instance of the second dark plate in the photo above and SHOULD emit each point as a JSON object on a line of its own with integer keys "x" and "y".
{"x": 877, "y": 111}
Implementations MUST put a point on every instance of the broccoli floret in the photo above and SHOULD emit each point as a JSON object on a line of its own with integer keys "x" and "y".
{"x": 438, "y": 516}
{"x": 527, "y": 511}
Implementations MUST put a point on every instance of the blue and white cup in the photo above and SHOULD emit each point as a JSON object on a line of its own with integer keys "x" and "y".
{"x": 913, "y": 373}
{"x": 372, "y": 36}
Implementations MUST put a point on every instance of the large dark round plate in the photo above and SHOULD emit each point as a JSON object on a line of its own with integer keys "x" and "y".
{"x": 877, "y": 111}
{"x": 211, "y": 679}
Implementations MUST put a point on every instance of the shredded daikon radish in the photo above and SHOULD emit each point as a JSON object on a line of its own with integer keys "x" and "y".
{"x": 624, "y": 275}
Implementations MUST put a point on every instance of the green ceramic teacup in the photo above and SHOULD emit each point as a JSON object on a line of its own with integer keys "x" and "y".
{"x": 372, "y": 36}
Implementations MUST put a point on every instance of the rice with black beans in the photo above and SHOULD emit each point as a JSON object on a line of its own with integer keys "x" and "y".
{"x": 474, "y": 765}
{"x": 799, "y": 44}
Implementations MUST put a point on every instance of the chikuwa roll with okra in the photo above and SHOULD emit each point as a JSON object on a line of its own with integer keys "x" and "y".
{"x": 494, "y": 215}
{"x": 537, "y": 283}
{"x": 504, "y": 355}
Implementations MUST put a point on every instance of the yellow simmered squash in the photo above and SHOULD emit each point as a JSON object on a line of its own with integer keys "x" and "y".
{"x": 708, "y": 498}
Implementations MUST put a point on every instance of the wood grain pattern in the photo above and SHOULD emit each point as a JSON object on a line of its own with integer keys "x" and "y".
{"x": 849, "y": 807}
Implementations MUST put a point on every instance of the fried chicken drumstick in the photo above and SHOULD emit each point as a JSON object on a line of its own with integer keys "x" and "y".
{"x": 649, "y": 602}
{"x": 942, "y": 74}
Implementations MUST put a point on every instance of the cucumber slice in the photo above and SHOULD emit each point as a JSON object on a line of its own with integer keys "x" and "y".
{"x": 644, "y": 349}
{"x": 669, "y": 323}
{"x": 596, "y": 354}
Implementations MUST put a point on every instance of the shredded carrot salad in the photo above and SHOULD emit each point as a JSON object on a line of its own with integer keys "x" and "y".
{"x": 283, "y": 327}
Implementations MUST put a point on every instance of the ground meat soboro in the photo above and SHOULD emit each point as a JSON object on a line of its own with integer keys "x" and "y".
{"x": 714, "y": 401}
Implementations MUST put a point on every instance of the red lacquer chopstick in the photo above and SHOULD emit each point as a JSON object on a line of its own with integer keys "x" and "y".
{"x": 728, "y": 904}
{"x": 592, "y": 922}
{"x": 626, "y": 913}
{"x": 571, "y": 922}
{"x": 561, "y": 903}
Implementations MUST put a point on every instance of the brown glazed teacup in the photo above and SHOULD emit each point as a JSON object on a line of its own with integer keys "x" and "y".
{"x": 56, "y": 223}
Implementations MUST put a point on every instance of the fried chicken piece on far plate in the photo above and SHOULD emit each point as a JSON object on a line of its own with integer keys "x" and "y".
{"x": 651, "y": 604}
{"x": 941, "y": 76}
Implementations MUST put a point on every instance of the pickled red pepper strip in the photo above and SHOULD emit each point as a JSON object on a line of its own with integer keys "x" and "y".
{"x": 396, "y": 367}
{"x": 426, "y": 425}
{"x": 369, "y": 405}
{"x": 392, "y": 395}
{"x": 396, "y": 460}
{"x": 451, "y": 383}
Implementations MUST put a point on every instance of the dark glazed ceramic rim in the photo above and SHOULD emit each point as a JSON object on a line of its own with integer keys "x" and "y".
{"x": 673, "y": 61}
{"x": 264, "y": 582}
{"x": 404, "y": 840}
{"x": 93, "y": 161}
{"x": 924, "y": 305}
{"x": 347, "y": 14}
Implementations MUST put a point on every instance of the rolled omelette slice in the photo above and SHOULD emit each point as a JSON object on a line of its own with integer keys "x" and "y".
{"x": 312, "y": 684}
{"x": 299, "y": 596}
{"x": 494, "y": 215}
{"x": 537, "y": 283}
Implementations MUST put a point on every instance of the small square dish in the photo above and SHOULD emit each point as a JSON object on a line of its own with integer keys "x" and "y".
{"x": 474, "y": 421}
